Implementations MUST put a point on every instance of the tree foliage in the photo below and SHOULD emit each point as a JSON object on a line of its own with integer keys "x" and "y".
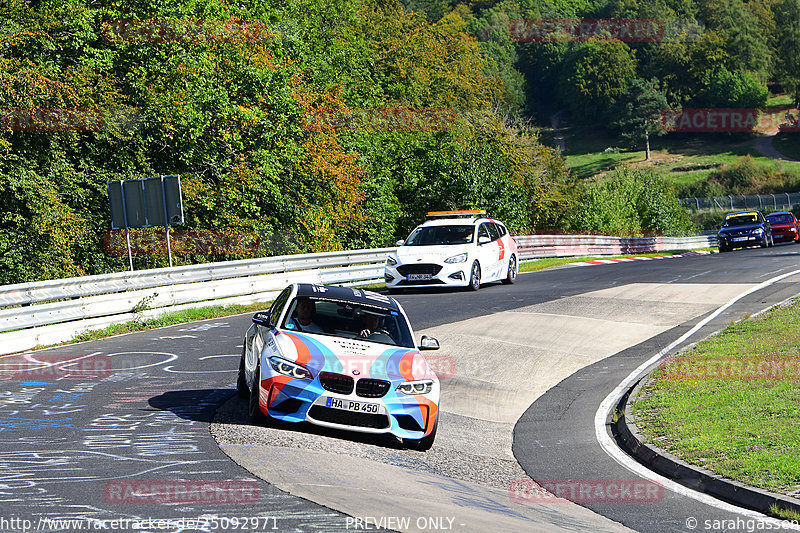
{"x": 632, "y": 201}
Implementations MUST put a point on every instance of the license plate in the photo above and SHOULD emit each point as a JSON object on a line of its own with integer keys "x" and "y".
{"x": 738, "y": 239}
{"x": 352, "y": 405}
{"x": 420, "y": 277}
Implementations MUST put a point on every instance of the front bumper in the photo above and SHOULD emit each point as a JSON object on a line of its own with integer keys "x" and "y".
{"x": 406, "y": 417}
{"x": 427, "y": 275}
{"x": 740, "y": 241}
{"x": 784, "y": 235}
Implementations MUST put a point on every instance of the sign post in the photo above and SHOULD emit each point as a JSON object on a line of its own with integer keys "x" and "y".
{"x": 144, "y": 203}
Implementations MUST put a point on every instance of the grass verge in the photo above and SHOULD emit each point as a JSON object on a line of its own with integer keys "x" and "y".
{"x": 169, "y": 318}
{"x": 730, "y": 404}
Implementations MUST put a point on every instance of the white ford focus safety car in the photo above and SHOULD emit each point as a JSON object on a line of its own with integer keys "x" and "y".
{"x": 453, "y": 248}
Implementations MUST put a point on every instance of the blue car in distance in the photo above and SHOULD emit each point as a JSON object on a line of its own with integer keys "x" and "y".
{"x": 743, "y": 229}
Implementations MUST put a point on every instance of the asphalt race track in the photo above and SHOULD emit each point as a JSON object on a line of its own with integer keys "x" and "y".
{"x": 124, "y": 428}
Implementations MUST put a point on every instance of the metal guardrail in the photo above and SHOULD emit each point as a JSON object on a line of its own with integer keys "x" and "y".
{"x": 784, "y": 200}
{"x": 48, "y": 312}
{"x": 534, "y": 246}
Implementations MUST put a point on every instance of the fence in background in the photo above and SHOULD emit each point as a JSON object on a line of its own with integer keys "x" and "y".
{"x": 772, "y": 202}
{"x": 48, "y": 312}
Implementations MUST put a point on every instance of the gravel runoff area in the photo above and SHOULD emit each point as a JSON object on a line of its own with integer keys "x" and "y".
{"x": 231, "y": 426}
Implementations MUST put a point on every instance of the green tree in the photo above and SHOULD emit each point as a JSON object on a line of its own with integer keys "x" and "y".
{"x": 594, "y": 75}
{"x": 632, "y": 201}
{"x": 787, "y": 16}
{"x": 733, "y": 89}
{"x": 638, "y": 112}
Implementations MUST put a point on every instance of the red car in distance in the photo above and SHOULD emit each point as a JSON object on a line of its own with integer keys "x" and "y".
{"x": 784, "y": 227}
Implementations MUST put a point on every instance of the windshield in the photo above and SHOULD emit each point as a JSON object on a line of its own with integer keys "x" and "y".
{"x": 780, "y": 219}
{"x": 436, "y": 235}
{"x": 740, "y": 220}
{"x": 349, "y": 320}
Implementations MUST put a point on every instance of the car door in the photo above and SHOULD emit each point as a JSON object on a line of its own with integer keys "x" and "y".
{"x": 487, "y": 252}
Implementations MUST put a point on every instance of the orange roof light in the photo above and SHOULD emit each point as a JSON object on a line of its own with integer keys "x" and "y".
{"x": 469, "y": 212}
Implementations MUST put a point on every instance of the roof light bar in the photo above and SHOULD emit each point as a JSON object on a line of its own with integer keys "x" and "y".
{"x": 465, "y": 213}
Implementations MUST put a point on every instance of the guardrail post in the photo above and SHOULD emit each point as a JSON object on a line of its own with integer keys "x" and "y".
{"x": 731, "y": 199}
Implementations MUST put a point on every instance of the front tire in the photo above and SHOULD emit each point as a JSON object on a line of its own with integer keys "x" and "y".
{"x": 425, "y": 443}
{"x": 241, "y": 381}
{"x": 475, "y": 277}
{"x": 254, "y": 410}
{"x": 513, "y": 269}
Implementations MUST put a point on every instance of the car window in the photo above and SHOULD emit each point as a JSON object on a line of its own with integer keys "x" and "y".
{"x": 437, "y": 235}
{"x": 780, "y": 219}
{"x": 278, "y": 305}
{"x": 741, "y": 220}
{"x": 493, "y": 232}
{"x": 483, "y": 231}
{"x": 347, "y": 319}
{"x": 502, "y": 229}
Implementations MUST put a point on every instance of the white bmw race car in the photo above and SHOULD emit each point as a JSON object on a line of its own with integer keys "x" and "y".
{"x": 453, "y": 248}
{"x": 340, "y": 358}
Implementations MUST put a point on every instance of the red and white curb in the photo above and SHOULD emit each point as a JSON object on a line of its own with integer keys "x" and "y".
{"x": 629, "y": 259}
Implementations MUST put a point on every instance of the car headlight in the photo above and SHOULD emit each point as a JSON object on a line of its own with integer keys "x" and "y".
{"x": 391, "y": 261}
{"x": 757, "y": 231}
{"x": 422, "y": 386}
{"x": 460, "y": 258}
{"x": 287, "y": 368}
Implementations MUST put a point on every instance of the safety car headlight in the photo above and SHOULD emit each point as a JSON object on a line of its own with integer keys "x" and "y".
{"x": 460, "y": 258}
{"x": 287, "y": 368}
{"x": 421, "y": 386}
{"x": 391, "y": 261}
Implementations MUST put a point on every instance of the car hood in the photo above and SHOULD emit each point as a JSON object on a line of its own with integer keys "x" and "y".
{"x": 364, "y": 359}
{"x": 410, "y": 254}
{"x": 782, "y": 225}
{"x": 741, "y": 229}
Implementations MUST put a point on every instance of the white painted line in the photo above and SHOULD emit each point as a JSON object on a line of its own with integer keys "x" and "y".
{"x": 626, "y": 461}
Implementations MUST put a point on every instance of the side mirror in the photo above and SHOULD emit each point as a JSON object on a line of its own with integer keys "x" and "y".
{"x": 483, "y": 239}
{"x": 428, "y": 343}
{"x": 401, "y": 242}
{"x": 262, "y": 319}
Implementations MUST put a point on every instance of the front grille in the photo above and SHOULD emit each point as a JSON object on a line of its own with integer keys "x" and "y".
{"x": 336, "y": 382}
{"x": 422, "y": 282}
{"x": 372, "y": 388}
{"x": 419, "y": 268}
{"x": 348, "y": 418}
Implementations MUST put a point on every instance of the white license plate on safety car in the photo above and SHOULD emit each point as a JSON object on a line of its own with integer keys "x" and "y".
{"x": 420, "y": 277}
{"x": 738, "y": 239}
{"x": 352, "y": 405}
